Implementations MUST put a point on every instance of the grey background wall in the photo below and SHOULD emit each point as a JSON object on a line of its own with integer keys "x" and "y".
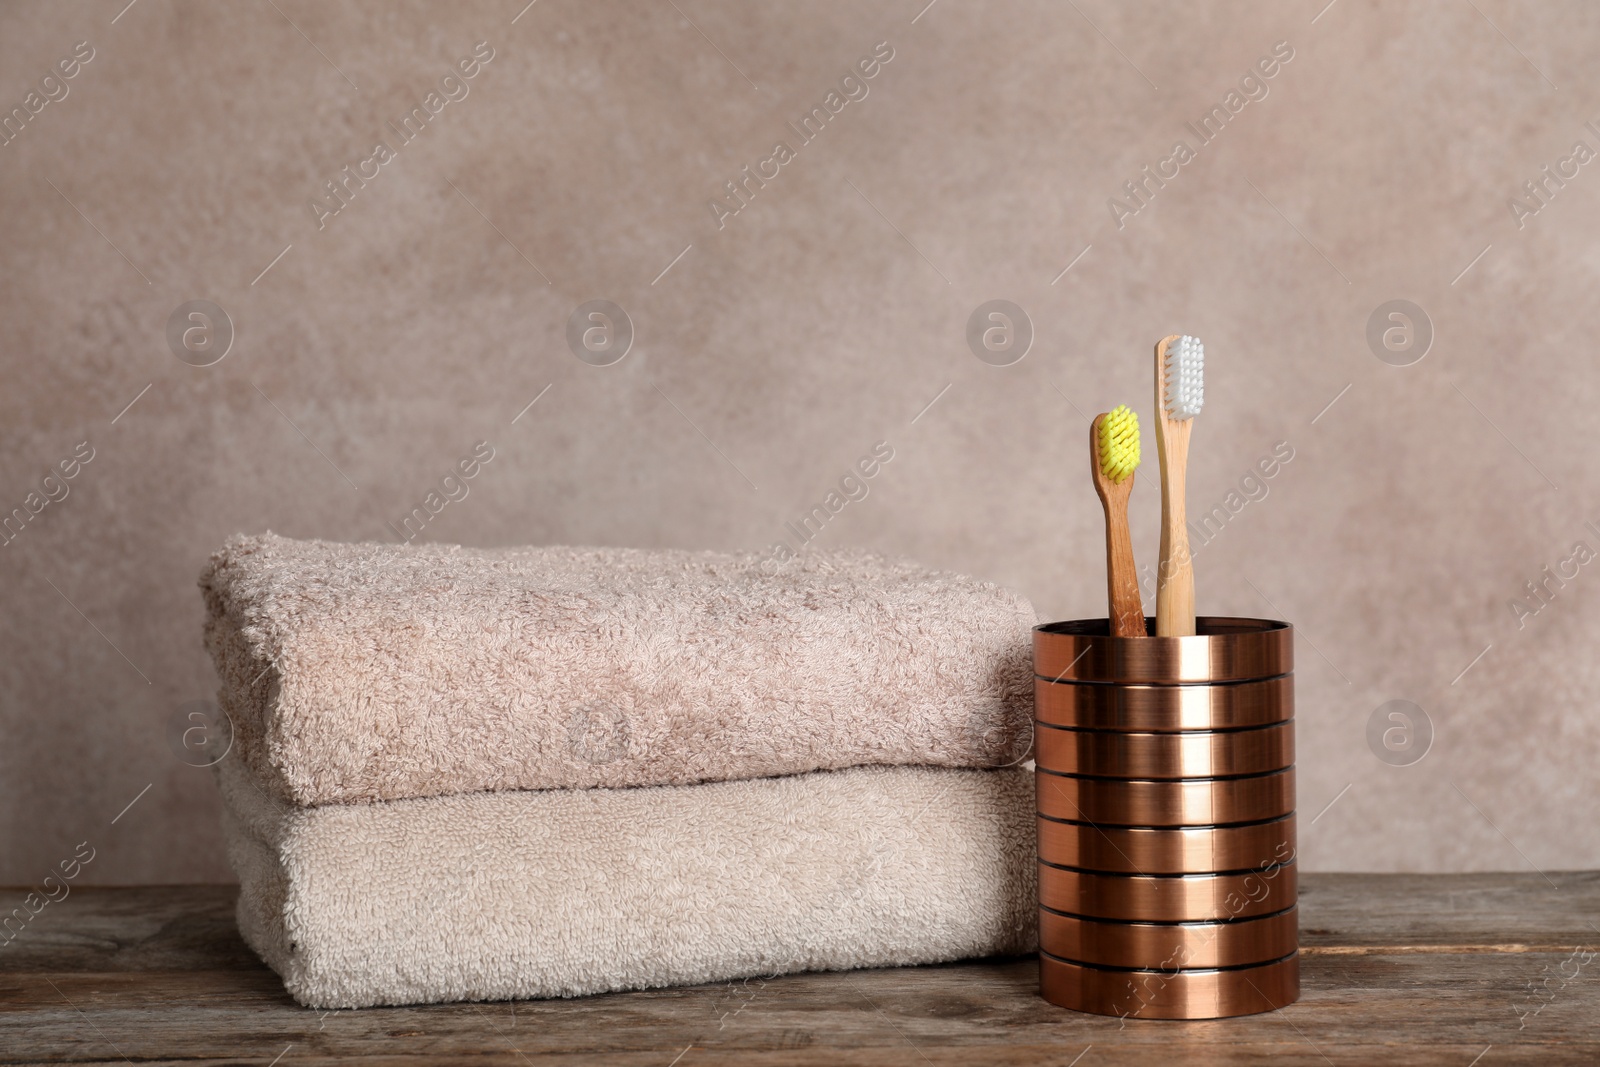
{"x": 374, "y": 347}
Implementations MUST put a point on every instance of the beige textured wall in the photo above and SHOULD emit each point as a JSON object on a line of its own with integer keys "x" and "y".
{"x": 820, "y": 319}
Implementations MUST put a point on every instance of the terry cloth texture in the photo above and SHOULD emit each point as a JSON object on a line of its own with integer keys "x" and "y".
{"x": 384, "y": 672}
{"x": 567, "y": 892}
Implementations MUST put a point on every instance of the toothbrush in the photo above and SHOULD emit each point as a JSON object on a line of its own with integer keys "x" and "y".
{"x": 1180, "y": 393}
{"x": 1113, "y": 456}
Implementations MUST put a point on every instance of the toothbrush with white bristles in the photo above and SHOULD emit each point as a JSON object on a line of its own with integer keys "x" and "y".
{"x": 1180, "y": 393}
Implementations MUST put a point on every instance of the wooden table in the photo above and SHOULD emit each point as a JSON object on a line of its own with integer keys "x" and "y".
{"x": 1472, "y": 969}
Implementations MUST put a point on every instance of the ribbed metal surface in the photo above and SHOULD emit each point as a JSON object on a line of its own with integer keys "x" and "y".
{"x": 1169, "y": 897}
{"x": 1171, "y": 945}
{"x": 1141, "y": 802}
{"x": 1160, "y": 708}
{"x": 1196, "y": 754}
{"x": 1157, "y": 994}
{"x": 1165, "y": 793}
{"x": 1166, "y": 850}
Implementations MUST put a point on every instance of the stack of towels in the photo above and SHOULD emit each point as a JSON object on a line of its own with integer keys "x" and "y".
{"x": 461, "y": 774}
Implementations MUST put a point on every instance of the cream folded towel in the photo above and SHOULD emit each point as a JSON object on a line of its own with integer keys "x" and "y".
{"x": 385, "y": 672}
{"x": 514, "y": 895}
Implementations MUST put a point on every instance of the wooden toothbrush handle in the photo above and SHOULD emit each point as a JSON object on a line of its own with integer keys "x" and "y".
{"x": 1175, "y": 573}
{"x": 1122, "y": 580}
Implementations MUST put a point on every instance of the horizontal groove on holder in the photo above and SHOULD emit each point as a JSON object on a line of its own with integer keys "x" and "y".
{"x": 1153, "y": 994}
{"x": 1167, "y": 850}
{"x": 1164, "y": 708}
{"x": 1145, "y": 803}
{"x": 1169, "y": 946}
{"x": 1201, "y": 897}
{"x": 1268, "y": 870}
{"x": 1107, "y": 684}
{"x": 1151, "y": 922}
{"x": 1111, "y": 731}
{"x": 1197, "y": 754}
{"x": 1196, "y": 826}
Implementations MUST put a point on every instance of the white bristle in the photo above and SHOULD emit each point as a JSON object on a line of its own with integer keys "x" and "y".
{"x": 1185, "y": 368}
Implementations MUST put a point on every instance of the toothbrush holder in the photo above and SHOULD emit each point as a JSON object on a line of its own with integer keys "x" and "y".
{"x": 1165, "y": 797}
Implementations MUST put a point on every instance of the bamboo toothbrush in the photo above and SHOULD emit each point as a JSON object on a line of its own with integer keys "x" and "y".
{"x": 1180, "y": 393}
{"x": 1113, "y": 455}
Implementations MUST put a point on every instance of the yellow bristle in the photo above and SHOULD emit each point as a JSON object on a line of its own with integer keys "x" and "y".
{"x": 1119, "y": 443}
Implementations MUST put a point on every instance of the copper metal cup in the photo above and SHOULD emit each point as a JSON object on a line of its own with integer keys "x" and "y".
{"x": 1166, "y": 850}
{"x": 1173, "y": 945}
{"x": 1165, "y": 789}
{"x": 1174, "y": 994}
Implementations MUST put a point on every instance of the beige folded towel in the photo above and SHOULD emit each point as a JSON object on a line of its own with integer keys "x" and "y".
{"x": 516, "y": 895}
{"x": 381, "y": 672}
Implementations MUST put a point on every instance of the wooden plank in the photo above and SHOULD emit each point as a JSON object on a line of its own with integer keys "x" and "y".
{"x": 1394, "y": 911}
{"x": 173, "y": 928}
{"x": 1398, "y": 969}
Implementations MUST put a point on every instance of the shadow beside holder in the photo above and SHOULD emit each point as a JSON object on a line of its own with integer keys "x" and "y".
{"x": 1165, "y": 799}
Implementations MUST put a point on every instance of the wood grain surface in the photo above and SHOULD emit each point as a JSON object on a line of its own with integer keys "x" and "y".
{"x": 1474, "y": 970}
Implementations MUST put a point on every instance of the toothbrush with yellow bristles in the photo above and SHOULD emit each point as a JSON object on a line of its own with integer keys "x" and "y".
{"x": 1113, "y": 456}
{"x": 1180, "y": 393}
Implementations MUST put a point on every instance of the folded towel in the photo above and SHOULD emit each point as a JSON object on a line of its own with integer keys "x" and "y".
{"x": 384, "y": 672}
{"x": 515, "y": 895}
